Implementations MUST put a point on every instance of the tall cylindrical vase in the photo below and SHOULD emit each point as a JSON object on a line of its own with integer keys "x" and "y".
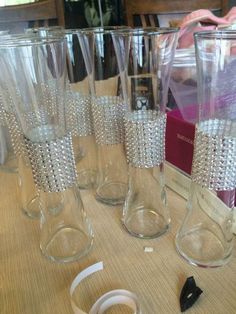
{"x": 79, "y": 115}
{"x": 145, "y": 57}
{"x": 36, "y": 73}
{"x": 71, "y": 104}
{"x": 78, "y": 106}
{"x": 108, "y": 113}
{"x": 17, "y": 161}
{"x": 205, "y": 237}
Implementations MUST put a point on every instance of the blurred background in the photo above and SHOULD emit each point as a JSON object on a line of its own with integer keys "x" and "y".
{"x": 85, "y": 13}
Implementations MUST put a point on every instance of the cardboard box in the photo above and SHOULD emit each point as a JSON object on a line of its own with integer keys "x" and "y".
{"x": 179, "y": 141}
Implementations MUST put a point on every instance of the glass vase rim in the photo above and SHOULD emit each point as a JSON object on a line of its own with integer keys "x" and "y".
{"x": 89, "y": 30}
{"x": 18, "y": 35}
{"x": 146, "y": 31}
{"x": 70, "y": 31}
{"x": 216, "y": 34}
{"x": 32, "y": 40}
{"x": 103, "y": 29}
{"x": 30, "y": 30}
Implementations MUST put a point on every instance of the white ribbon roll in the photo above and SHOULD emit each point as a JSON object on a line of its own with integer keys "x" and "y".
{"x": 108, "y": 299}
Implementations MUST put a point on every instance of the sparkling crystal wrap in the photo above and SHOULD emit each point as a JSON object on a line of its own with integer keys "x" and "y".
{"x": 52, "y": 163}
{"x": 9, "y": 119}
{"x": 79, "y": 115}
{"x": 145, "y": 138}
{"x": 214, "y": 162}
{"x": 2, "y": 114}
{"x": 15, "y": 133}
{"x": 108, "y": 115}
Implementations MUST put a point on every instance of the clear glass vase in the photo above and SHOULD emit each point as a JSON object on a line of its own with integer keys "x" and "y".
{"x": 36, "y": 69}
{"x": 145, "y": 57}
{"x": 79, "y": 115}
{"x": 71, "y": 104}
{"x": 205, "y": 237}
{"x": 108, "y": 113}
{"x": 78, "y": 106}
{"x": 16, "y": 161}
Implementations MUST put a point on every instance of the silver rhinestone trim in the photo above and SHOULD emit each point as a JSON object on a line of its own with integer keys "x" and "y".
{"x": 49, "y": 94}
{"x": 79, "y": 114}
{"x": 15, "y": 133}
{"x": 9, "y": 118}
{"x": 37, "y": 118}
{"x": 108, "y": 117}
{"x": 53, "y": 164}
{"x": 2, "y": 114}
{"x": 145, "y": 138}
{"x": 214, "y": 162}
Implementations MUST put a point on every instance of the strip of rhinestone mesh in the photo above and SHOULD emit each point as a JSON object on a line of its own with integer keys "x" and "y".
{"x": 9, "y": 119}
{"x": 2, "y": 114}
{"x": 53, "y": 164}
{"x": 49, "y": 95}
{"x": 145, "y": 138}
{"x": 32, "y": 120}
{"x": 214, "y": 162}
{"x": 108, "y": 117}
{"x": 15, "y": 133}
{"x": 79, "y": 114}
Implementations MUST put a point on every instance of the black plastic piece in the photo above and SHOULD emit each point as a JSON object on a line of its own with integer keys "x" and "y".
{"x": 189, "y": 294}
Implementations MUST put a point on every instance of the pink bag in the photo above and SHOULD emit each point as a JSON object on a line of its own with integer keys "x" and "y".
{"x": 203, "y": 20}
{"x": 183, "y": 81}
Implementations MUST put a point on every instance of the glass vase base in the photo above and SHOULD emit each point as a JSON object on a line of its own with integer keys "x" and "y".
{"x": 32, "y": 210}
{"x": 87, "y": 179}
{"x": 146, "y": 224}
{"x": 113, "y": 193}
{"x": 68, "y": 244}
{"x": 201, "y": 247}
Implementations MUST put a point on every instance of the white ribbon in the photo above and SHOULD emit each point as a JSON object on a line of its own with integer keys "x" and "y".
{"x": 108, "y": 299}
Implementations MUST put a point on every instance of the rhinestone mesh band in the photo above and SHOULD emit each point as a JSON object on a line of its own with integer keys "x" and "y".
{"x": 53, "y": 164}
{"x": 49, "y": 94}
{"x": 79, "y": 115}
{"x": 108, "y": 116}
{"x": 15, "y": 133}
{"x": 9, "y": 119}
{"x": 214, "y": 162}
{"x": 2, "y": 114}
{"x": 145, "y": 138}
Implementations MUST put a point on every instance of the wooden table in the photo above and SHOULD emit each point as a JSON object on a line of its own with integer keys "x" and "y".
{"x": 31, "y": 284}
